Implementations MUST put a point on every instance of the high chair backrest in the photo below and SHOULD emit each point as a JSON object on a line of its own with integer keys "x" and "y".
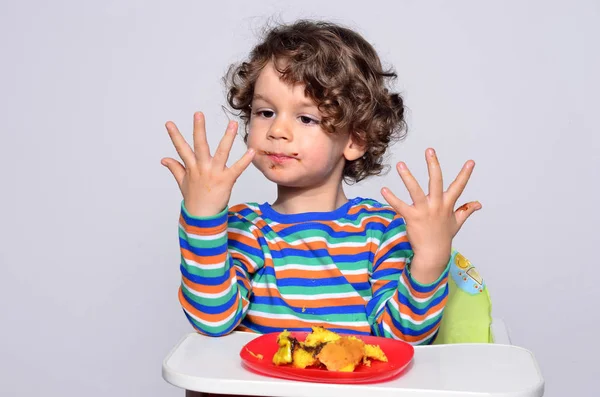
{"x": 467, "y": 316}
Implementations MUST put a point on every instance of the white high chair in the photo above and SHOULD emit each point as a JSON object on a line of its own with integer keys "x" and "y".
{"x": 500, "y": 332}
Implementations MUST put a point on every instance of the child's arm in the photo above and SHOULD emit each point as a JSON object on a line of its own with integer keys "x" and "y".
{"x": 218, "y": 256}
{"x": 401, "y": 307}
{"x": 409, "y": 306}
{"x": 215, "y": 287}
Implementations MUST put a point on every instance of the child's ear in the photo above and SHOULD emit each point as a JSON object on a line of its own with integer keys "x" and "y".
{"x": 354, "y": 150}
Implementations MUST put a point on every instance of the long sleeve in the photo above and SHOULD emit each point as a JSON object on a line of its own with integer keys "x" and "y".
{"x": 218, "y": 257}
{"x": 400, "y": 307}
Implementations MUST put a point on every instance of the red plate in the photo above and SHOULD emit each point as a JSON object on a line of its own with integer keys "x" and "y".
{"x": 399, "y": 356}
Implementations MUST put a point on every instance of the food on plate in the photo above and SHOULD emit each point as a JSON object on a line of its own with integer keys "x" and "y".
{"x": 325, "y": 349}
{"x": 258, "y": 356}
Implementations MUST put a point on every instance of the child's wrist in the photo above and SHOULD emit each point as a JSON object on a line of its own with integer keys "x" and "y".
{"x": 427, "y": 270}
{"x": 202, "y": 212}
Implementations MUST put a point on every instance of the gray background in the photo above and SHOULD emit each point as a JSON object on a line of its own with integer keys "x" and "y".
{"x": 88, "y": 217}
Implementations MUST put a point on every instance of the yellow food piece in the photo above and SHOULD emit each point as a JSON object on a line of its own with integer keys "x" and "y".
{"x": 302, "y": 358}
{"x": 284, "y": 353}
{"x": 375, "y": 352}
{"x": 320, "y": 335}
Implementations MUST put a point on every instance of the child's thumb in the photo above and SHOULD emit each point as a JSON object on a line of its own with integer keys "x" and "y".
{"x": 465, "y": 211}
{"x": 176, "y": 168}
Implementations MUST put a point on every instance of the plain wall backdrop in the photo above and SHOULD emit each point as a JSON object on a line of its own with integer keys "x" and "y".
{"x": 88, "y": 217}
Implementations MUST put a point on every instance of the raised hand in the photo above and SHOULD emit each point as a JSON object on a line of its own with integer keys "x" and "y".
{"x": 205, "y": 181}
{"x": 432, "y": 221}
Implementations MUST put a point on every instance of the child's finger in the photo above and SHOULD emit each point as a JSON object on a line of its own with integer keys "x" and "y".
{"x": 465, "y": 211}
{"x": 400, "y": 206}
{"x": 224, "y": 148}
{"x": 457, "y": 187}
{"x": 436, "y": 184}
{"x": 200, "y": 143}
{"x": 181, "y": 146}
{"x": 243, "y": 163}
{"x": 176, "y": 168}
{"x": 416, "y": 193}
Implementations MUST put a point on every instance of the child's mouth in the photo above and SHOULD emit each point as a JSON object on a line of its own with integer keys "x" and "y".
{"x": 279, "y": 158}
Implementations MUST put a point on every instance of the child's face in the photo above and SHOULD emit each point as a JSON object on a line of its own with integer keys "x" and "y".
{"x": 291, "y": 147}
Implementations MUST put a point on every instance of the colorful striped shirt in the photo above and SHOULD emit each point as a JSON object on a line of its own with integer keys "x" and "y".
{"x": 254, "y": 269}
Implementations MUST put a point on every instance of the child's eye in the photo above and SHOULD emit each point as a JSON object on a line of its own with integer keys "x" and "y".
{"x": 308, "y": 120}
{"x": 265, "y": 113}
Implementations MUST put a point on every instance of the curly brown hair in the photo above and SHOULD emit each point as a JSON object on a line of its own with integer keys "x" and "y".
{"x": 342, "y": 74}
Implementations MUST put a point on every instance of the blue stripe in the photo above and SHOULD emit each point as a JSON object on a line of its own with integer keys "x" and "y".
{"x": 403, "y": 246}
{"x": 211, "y": 309}
{"x": 383, "y": 294}
{"x": 242, "y": 265}
{"x": 390, "y": 289}
{"x": 405, "y": 301}
{"x": 379, "y": 274}
{"x": 425, "y": 288}
{"x": 200, "y": 328}
{"x": 397, "y": 222}
{"x": 245, "y": 212}
{"x": 372, "y": 228}
{"x": 246, "y": 249}
{"x": 204, "y": 223}
{"x": 318, "y": 311}
{"x": 240, "y": 275}
{"x": 318, "y": 253}
{"x": 300, "y": 282}
{"x": 319, "y": 226}
{"x": 361, "y": 286}
{"x": 267, "y": 330}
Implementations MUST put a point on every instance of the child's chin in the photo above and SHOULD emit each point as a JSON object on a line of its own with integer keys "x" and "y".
{"x": 280, "y": 178}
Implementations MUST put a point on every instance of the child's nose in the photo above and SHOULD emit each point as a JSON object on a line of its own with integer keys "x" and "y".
{"x": 280, "y": 130}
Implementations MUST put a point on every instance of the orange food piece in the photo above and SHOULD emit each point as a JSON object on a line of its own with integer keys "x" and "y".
{"x": 342, "y": 355}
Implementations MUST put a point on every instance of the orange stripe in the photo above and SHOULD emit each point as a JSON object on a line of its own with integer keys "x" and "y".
{"x": 204, "y": 259}
{"x": 356, "y": 209}
{"x": 304, "y": 274}
{"x": 386, "y": 318}
{"x": 251, "y": 242}
{"x": 288, "y": 324}
{"x": 299, "y": 303}
{"x": 260, "y": 223}
{"x": 335, "y": 227}
{"x": 317, "y": 303}
{"x": 203, "y": 231}
{"x": 205, "y": 316}
{"x": 240, "y": 207}
{"x": 244, "y": 329}
{"x": 387, "y": 248}
{"x": 316, "y": 245}
{"x": 206, "y": 289}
